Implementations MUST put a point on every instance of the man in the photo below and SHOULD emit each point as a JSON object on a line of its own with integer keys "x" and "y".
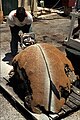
{"x": 18, "y": 20}
{"x": 75, "y": 34}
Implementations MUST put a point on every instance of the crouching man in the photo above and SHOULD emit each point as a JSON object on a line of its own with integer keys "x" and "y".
{"x": 18, "y": 19}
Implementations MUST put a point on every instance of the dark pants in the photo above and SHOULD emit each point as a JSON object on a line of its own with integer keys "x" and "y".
{"x": 15, "y": 37}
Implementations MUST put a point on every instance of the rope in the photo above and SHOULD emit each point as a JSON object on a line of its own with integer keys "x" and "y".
{"x": 52, "y": 85}
{"x": 56, "y": 4}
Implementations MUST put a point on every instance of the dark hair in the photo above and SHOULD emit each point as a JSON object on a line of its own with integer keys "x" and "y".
{"x": 20, "y": 13}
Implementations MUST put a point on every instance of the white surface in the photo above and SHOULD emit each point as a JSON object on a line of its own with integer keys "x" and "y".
{"x": 5, "y": 67}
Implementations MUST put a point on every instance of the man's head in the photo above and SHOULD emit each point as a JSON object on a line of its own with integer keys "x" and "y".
{"x": 20, "y": 13}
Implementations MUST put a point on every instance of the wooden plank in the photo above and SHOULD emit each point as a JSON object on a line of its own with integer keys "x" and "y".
{"x": 75, "y": 96}
{"x": 71, "y": 105}
{"x": 74, "y": 44}
{"x": 66, "y": 108}
{"x": 76, "y": 90}
{"x": 53, "y": 116}
{"x": 74, "y": 100}
{"x": 61, "y": 113}
{"x": 17, "y": 101}
{"x": 72, "y": 52}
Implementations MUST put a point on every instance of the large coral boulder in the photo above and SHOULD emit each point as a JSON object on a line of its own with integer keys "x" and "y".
{"x": 44, "y": 69}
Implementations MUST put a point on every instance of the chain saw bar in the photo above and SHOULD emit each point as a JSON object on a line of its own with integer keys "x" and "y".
{"x": 27, "y": 39}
